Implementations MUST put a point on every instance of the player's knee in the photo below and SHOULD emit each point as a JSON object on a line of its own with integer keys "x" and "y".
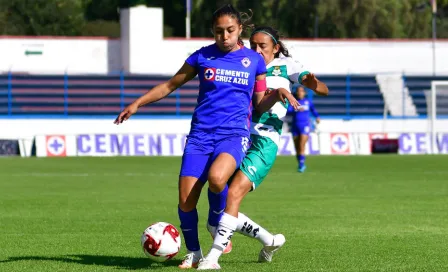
{"x": 217, "y": 181}
{"x": 187, "y": 204}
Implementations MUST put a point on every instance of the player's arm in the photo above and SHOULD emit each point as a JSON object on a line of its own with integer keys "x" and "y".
{"x": 185, "y": 74}
{"x": 299, "y": 74}
{"x": 311, "y": 82}
{"x": 264, "y": 100}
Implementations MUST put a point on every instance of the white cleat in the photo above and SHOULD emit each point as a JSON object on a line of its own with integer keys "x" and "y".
{"x": 206, "y": 264}
{"x": 267, "y": 252}
{"x": 191, "y": 260}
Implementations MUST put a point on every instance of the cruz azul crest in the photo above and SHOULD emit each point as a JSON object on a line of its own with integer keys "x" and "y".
{"x": 245, "y": 62}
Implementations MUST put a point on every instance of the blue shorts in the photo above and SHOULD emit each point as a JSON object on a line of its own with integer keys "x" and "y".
{"x": 300, "y": 129}
{"x": 200, "y": 152}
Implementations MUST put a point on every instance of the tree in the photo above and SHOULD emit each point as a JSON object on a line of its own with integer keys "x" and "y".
{"x": 42, "y": 17}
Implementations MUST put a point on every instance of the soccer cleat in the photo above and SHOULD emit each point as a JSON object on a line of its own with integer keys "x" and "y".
{"x": 267, "y": 252}
{"x": 206, "y": 264}
{"x": 212, "y": 231}
{"x": 191, "y": 260}
{"x": 301, "y": 169}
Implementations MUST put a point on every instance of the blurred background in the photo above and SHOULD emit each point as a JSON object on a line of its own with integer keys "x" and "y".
{"x": 84, "y": 59}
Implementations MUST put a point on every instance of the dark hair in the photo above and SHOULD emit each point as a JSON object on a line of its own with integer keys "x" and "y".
{"x": 296, "y": 93}
{"x": 241, "y": 17}
{"x": 275, "y": 36}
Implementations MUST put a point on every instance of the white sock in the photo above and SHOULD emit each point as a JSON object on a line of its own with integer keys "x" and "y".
{"x": 224, "y": 232}
{"x": 249, "y": 228}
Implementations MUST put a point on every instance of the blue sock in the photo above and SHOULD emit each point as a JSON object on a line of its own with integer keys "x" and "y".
{"x": 217, "y": 204}
{"x": 301, "y": 160}
{"x": 189, "y": 226}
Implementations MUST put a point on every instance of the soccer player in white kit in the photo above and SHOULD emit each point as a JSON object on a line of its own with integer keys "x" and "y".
{"x": 282, "y": 72}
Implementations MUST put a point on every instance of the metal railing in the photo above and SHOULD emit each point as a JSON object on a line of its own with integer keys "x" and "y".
{"x": 351, "y": 96}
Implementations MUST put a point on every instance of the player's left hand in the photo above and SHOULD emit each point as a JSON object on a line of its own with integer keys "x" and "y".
{"x": 310, "y": 81}
{"x": 126, "y": 113}
{"x": 284, "y": 94}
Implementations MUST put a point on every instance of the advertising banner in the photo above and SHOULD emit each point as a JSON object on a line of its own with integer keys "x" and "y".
{"x": 173, "y": 144}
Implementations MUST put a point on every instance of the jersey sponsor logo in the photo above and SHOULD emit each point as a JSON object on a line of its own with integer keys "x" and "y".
{"x": 246, "y": 62}
{"x": 232, "y": 76}
{"x": 209, "y": 74}
{"x": 340, "y": 143}
{"x": 55, "y": 146}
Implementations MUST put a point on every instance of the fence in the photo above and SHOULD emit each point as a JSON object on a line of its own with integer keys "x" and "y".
{"x": 351, "y": 96}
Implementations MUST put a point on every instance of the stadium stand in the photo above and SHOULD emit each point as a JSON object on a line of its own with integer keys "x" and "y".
{"x": 105, "y": 95}
{"x": 350, "y": 96}
{"x": 417, "y": 85}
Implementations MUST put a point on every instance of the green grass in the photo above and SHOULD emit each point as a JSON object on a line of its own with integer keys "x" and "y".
{"x": 365, "y": 213}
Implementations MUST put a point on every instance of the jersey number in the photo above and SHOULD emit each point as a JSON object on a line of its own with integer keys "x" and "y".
{"x": 245, "y": 144}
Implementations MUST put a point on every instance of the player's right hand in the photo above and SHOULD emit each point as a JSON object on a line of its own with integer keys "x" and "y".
{"x": 126, "y": 113}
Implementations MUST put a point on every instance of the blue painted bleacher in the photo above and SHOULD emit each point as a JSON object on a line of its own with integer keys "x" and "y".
{"x": 82, "y": 95}
{"x": 417, "y": 85}
{"x": 351, "y": 96}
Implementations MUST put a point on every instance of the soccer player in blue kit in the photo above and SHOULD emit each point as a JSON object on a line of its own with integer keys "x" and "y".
{"x": 232, "y": 80}
{"x": 301, "y": 125}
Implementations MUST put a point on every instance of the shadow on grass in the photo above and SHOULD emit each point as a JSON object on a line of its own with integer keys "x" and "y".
{"x": 119, "y": 262}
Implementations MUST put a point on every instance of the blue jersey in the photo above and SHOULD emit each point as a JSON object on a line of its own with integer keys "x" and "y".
{"x": 225, "y": 89}
{"x": 302, "y": 117}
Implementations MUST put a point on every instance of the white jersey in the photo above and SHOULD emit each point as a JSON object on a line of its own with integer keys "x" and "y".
{"x": 282, "y": 72}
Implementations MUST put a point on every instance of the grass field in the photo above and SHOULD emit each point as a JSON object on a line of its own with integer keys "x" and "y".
{"x": 366, "y": 213}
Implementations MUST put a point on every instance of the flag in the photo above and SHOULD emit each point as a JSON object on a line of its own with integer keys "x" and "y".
{"x": 188, "y": 5}
{"x": 434, "y": 6}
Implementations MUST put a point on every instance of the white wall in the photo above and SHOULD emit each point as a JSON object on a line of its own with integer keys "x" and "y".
{"x": 74, "y": 55}
{"x": 143, "y": 50}
{"x": 102, "y": 56}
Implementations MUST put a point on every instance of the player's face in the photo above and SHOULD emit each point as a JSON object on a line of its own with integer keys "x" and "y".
{"x": 264, "y": 45}
{"x": 301, "y": 93}
{"x": 227, "y": 30}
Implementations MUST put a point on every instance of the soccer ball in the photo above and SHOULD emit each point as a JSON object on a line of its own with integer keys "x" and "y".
{"x": 161, "y": 241}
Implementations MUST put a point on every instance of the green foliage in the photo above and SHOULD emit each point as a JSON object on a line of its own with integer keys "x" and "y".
{"x": 294, "y": 18}
{"x": 41, "y": 17}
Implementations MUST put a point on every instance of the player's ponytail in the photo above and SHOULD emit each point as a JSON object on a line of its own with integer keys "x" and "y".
{"x": 275, "y": 36}
{"x": 242, "y": 18}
